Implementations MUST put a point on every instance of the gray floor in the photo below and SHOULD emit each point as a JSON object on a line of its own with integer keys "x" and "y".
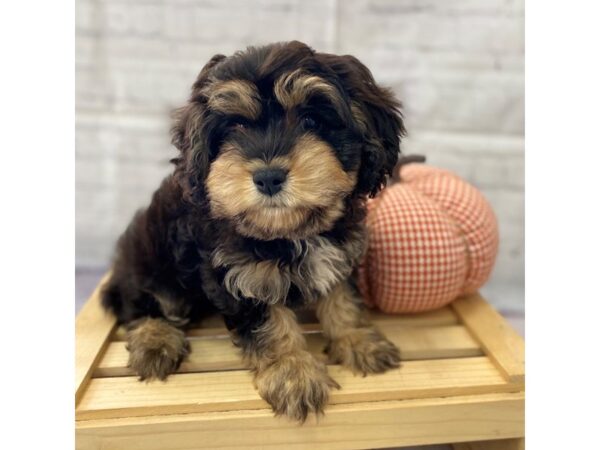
{"x": 87, "y": 279}
{"x": 85, "y": 282}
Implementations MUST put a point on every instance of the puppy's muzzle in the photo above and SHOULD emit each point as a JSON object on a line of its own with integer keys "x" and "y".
{"x": 269, "y": 181}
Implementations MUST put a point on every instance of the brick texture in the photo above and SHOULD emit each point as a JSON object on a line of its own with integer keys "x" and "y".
{"x": 457, "y": 66}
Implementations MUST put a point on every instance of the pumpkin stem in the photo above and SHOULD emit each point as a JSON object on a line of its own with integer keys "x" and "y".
{"x": 403, "y": 160}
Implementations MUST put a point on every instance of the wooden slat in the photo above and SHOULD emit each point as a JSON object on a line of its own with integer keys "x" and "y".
{"x": 344, "y": 427}
{"x": 503, "y": 444}
{"x": 93, "y": 327}
{"x": 214, "y": 326}
{"x": 221, "y": 391}
{"x": 220, "y": 354}
{"x": 500, "y": 342}
{"x": 438, "y": 317}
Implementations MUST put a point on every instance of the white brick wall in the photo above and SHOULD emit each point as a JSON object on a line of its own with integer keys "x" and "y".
{"x": 457, "y": 66}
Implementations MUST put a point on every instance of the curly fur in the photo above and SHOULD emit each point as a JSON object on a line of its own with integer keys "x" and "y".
{"x": 209, "y": 241}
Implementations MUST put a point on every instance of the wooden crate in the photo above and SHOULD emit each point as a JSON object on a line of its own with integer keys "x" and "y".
{"x": 461, "y": 380}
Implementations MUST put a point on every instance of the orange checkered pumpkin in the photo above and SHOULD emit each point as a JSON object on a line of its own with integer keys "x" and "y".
{"x": 432, "y": 237}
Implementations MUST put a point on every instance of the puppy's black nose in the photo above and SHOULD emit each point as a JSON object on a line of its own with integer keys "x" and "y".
{"x": 269, "y": 181}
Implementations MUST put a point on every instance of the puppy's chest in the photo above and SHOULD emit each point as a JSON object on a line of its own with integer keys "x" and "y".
{"x": 286, "y": 271}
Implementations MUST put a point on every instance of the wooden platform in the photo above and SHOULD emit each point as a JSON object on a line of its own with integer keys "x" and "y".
{"x": 462, "y": 380}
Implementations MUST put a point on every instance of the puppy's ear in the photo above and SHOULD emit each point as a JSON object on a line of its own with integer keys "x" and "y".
{"x": 377, "y": 114}
{"x": 192, "y": 162}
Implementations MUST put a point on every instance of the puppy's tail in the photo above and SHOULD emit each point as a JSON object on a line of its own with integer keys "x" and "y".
{"x": 111, "y": 297}
{"x": 126, "y": 301}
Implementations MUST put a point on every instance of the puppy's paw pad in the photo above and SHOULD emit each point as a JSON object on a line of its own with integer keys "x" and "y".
{"x": 295, "y": 386}
{"x": 364, "y": 351}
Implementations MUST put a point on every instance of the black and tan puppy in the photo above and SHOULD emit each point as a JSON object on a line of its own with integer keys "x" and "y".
{"x": 264, "y": 212}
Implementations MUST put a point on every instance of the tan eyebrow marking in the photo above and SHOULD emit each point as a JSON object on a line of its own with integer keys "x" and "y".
{"x": 235, "y": 97}
{"x": 296, "y": 87}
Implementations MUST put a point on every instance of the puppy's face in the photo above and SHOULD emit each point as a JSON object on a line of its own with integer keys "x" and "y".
{"x": 287, "y": 154}
{"x": 277, "y": 138}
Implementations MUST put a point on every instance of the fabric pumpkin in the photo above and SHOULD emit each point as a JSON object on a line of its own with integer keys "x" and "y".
{"x": 432, "y": 237}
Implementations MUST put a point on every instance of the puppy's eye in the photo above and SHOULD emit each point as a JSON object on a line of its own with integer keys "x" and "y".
{"x": 310, "y": 123}
{"x": 238, "y": 124}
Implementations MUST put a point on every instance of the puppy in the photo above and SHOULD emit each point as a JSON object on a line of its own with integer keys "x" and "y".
{"x": 279, "y": 147}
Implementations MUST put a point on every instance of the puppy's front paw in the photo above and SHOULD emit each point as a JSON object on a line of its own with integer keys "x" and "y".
{"x": 295, "y": 385}
{"x": 156, "y": 349}
{"x": 364, "y": 350}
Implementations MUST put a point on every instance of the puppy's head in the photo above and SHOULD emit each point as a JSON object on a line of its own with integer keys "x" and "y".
{"x": 278, "y": 137}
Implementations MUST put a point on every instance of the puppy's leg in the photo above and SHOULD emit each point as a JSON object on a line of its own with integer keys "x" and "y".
{"x": 156, "y": 348}
{"x": 286, "y": 375}
{"x": 353, "y": 341}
